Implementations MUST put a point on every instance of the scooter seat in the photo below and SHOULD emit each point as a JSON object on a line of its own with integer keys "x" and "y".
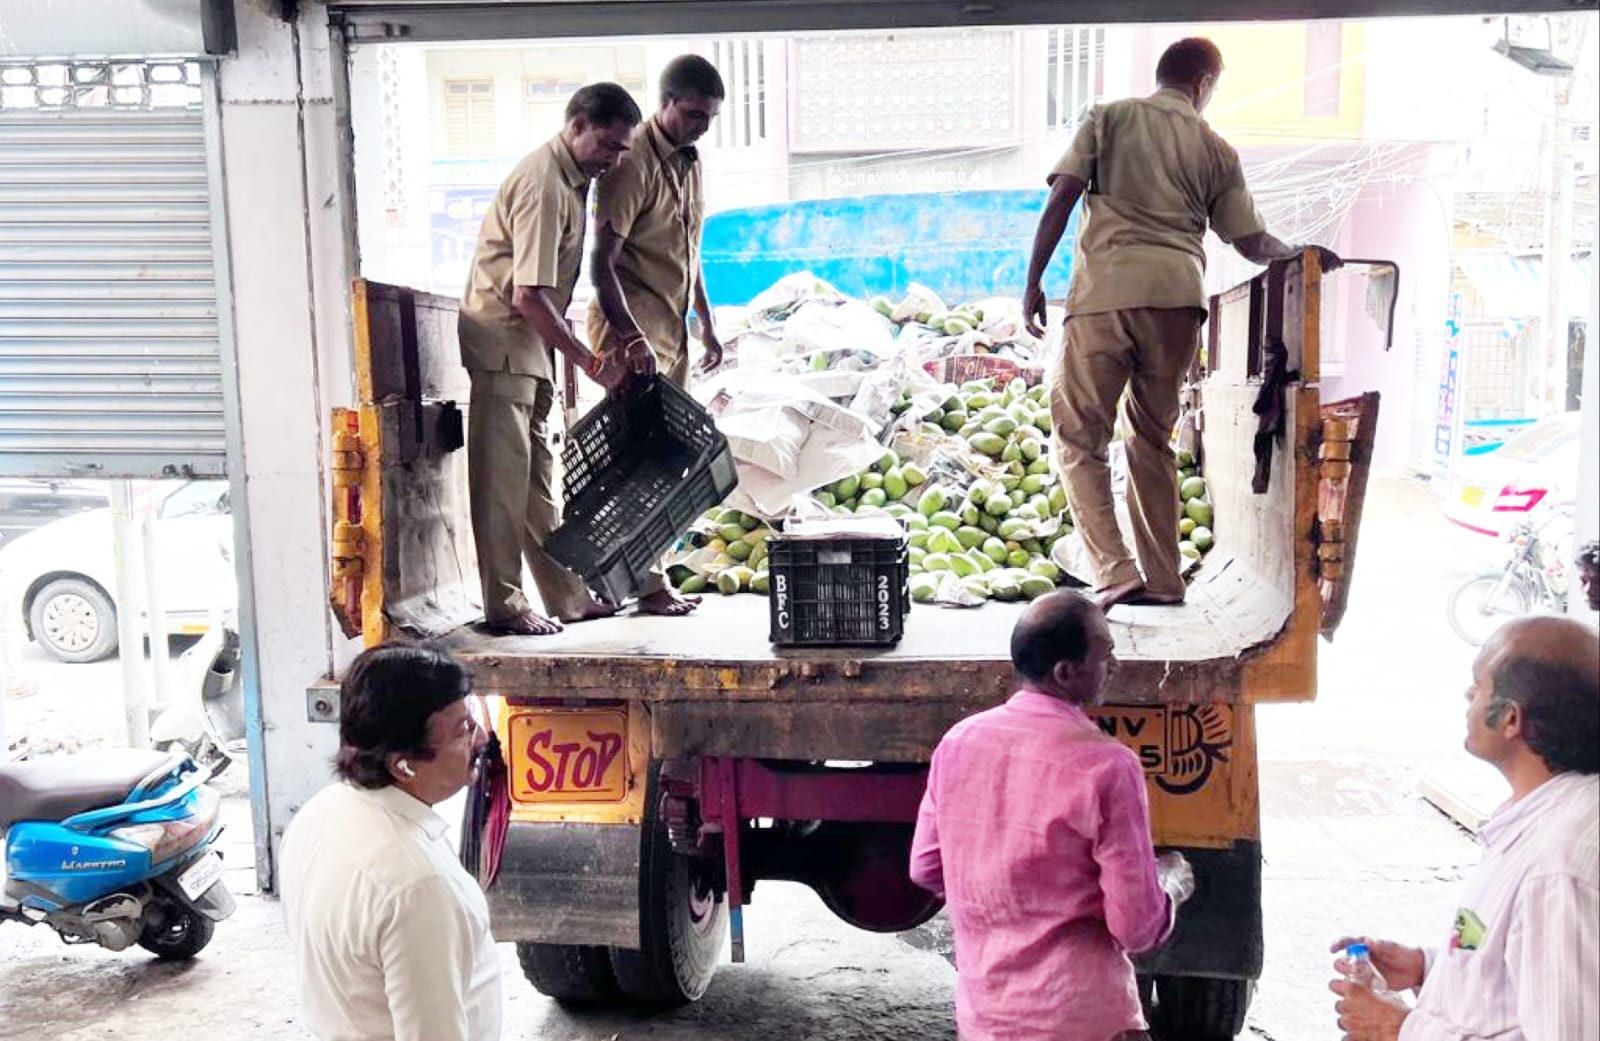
{"x": 59, "y": 786}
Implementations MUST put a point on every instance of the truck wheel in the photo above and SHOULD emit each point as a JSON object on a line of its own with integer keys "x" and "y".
{"x": 569, "y": 973}
{"x": 1196, "y": 1008}
{"x": 682, "y": 919}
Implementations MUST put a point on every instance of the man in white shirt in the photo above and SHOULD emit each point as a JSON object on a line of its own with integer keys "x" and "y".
{"x": 390, "y": 934}
{"x": 1524, "y": 950}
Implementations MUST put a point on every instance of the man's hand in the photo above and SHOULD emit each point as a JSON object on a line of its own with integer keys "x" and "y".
{"x": 1327, "y": 258}
{"x": 1400, "y": 966}
{"x": 640, "y": 359}
{"x": 1176, "y": 876}
{"x": 1033, "y": 309}
{"x": 1365, "y": 1016}
{"x": 610, "y": 370}
{"x": 713, "y": 356}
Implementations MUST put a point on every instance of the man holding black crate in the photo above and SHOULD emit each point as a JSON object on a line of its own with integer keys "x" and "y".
{"x": 512, "y": 321}
{"x": 646, "y": 262}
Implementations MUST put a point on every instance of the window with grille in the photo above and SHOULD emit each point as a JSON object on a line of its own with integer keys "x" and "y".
{"x": 469, "y": 118}
{"x": 1074, "y": 73}
{"x": 743, "y": 64}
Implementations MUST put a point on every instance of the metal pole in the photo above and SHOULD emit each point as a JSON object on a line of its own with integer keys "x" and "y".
{"x": 1550, "y": 371}
{"x": 130, "y": 633}
{"x": 160, "y": 655}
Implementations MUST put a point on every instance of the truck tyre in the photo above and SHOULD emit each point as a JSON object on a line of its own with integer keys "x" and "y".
{"x": 1197, "y": 1008}
{"x": 682, "y": 919}
{"x": 569, "y": 973}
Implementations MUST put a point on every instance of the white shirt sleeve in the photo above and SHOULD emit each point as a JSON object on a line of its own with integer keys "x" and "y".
{"x": 1553, "y": 958}
{"x": 427, "y": 952}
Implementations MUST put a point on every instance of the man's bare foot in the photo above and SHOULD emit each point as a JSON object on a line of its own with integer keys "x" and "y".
{"x": 525, "y": 624}
{"x": 667, "y": 602}
{"x": 1146, "y": 598}
{"x": 1120, "y": 593}
{"x": 592, "y": 610}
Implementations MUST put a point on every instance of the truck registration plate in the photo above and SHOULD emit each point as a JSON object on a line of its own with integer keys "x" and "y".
{"x": 569, "y": 755}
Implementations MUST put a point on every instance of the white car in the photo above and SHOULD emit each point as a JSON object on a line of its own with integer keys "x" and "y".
{"x": 1537, "y": 468}
{"x": 62, "y": 577}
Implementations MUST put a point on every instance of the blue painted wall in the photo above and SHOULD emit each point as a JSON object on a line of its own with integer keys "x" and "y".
{"x": 963, "y": 245}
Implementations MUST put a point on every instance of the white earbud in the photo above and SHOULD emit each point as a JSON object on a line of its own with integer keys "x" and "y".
{"x": 404, "y": 769}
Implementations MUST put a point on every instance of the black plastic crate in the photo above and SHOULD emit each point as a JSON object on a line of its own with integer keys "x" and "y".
{"x": 832, "y": 592}
{"x": 639, "y": 470}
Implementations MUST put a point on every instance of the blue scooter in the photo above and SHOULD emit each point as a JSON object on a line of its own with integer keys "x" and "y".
{"x": 114, "y": 848}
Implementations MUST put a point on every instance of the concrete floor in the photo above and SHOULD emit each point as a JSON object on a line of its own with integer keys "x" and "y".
{"x": 1349, "y": 846}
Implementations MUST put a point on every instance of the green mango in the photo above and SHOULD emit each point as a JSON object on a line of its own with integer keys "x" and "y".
{"x": 914, "y": 475}
{"x": 761, "y": 582}
{"x": 1202, "y": 538}
{"x": 953, "y": 421}
{"x": 979, "y": 493}
{"x": 870, "y": 481}
{"x": 995, "y": 550}
{"x": 989, "y": 524}
{"x": 915, "y": 521}
{"x": 919, "y": 539}
{"x": 1200, "y": 511}
{"x": 693, "y": 584}
{"x": 987, "y": 442}
{"x": 827, "y": 499}
{"x": 924, "y": 587}
{"x": 874, "y": 497}
{"x": 970, "y": 536}
{"x": 945, "y": 519}
{"x": 889, "y": 461}
{"x": 1002, "y": 425}
{"x": 846, "y": 487}
{"x": 1192, "y": 488}
{"x": 936, "y": 562}
{"x": 1035, "y": 587}
{"x": 1189, "y": 549}
{"x": 963, "y": 566}
{"x": 1044, "y": 567}
{"x": 932, "y": 501}
{"x": 1186, "y": 526}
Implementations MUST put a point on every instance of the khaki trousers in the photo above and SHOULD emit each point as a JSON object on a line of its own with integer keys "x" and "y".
{"x": 511, "y": 473}
{"x": 1147, "y": 351}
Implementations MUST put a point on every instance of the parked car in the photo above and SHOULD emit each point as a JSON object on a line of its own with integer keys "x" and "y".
{"x": 1539, "y": 465}
{"x": 62, "y": 577}
{"x": 31, "y": 502}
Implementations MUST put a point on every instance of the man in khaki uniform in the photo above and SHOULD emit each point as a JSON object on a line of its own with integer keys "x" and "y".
{"x": 1155, "y": 176}
{"x": 513, "y": 319}
{"x": 646, "y": 262}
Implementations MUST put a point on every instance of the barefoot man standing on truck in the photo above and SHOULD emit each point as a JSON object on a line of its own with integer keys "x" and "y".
{"x": 646, "y": 262}
{"x": 1153, "y": 177}
{"x": 512, "y": 321}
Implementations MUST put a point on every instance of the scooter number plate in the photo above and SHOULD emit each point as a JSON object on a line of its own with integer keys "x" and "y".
{"x": 201, "y": 876}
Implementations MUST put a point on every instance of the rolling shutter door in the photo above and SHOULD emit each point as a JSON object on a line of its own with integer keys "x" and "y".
{"x": 109, "y": 333}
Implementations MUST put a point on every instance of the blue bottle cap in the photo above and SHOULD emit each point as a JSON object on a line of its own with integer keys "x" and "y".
{"x": 1357, "y": 950}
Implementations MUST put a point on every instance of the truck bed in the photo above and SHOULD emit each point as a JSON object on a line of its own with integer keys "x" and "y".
{"x": 1166, "y": 654}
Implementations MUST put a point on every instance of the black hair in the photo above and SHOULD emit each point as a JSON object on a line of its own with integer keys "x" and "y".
{"x": 1589, "y": 554}
{"x": 1560, "y": 702}
{"x": 603, "y": 104}
{"x": 1187, "y": 62}
{"x": 1054, "y": 630}
{"x": 691, "y": 74}
{"x": 384, "y": 705}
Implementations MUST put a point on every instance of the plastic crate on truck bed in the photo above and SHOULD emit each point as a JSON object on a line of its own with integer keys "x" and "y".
{"x": 639, "y": 469}
{"x": 850, "y": 587}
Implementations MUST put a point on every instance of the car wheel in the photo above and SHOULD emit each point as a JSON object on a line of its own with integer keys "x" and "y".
{"x": 74, "y": 621}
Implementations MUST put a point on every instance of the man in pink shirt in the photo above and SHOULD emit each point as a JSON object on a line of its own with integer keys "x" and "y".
{"x": 1036, "y": 831}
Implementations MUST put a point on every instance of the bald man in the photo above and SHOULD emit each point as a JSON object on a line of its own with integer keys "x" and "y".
{"x": 1036, "y": 831}
{"x": 1523, "y": 954}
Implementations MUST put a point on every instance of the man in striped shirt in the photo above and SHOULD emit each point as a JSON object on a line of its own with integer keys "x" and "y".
{"x": 1523, "y": 954}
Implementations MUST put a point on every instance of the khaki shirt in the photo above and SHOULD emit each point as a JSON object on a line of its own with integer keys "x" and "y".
{"x": 532, "y": 236}
{"x": 1158, "y": 174}
{"x": 653, "y": 200}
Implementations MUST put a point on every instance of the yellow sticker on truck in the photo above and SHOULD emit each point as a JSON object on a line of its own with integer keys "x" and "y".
{"x": 569, "y": 755}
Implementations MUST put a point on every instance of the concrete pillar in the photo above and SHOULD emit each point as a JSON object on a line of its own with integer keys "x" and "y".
{"x": 290, "y": 264}
{"x": 1586, "y": 522}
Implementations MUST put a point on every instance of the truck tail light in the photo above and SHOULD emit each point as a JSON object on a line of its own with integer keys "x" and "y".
{"x": 1514, "y": 498}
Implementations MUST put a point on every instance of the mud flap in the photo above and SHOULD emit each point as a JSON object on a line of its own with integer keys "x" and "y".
{"x": 1219, "y": 930}
{"x": 568, "y": 884}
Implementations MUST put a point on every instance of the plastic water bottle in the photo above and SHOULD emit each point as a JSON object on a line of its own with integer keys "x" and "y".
{"x": 1358, "y": 968}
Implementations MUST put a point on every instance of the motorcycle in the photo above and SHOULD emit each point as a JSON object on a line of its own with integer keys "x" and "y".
{"x": 207, "y": 719}
{"x": 1533, "y": 580}
{"x": 114, "y": 848}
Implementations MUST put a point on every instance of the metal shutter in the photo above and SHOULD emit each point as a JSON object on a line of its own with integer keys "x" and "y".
{"x": 109, "y": 354}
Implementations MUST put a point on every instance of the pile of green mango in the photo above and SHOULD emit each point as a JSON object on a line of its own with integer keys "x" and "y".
{"x": 740, "y": 565}
{"x": 1194, "y": 522}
